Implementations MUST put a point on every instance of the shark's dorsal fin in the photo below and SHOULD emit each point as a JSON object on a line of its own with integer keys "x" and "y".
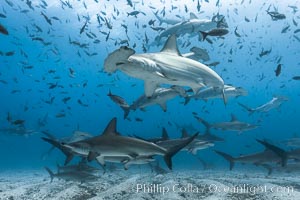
{"x": 111, "y": 128}
{"x": 171, "y": 46}
{"x": 193, "y": 16}
{"x": 164, "y": 134}
{"x": 184, "y": 134}
{"x": 233, "y": 118}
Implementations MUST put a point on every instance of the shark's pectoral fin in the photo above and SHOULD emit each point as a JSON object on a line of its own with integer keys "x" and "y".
{"x": 126, "y": 165}
{"x": 100, "y": 160}
{"x": 224, "y": 97}
{"x": 196, "y": 89}
{"x": 193, "y": 151}
{"x": 150, "y": 87}
{"x": 92, "y": 155}
{"x": 68, "y": 158}
{"x": 163, "y": 105}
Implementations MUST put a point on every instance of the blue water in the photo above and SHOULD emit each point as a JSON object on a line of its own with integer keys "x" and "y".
{"x": 91, "y": 84}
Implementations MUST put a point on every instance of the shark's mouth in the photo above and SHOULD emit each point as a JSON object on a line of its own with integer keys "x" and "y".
{"x": 117, "y": 58}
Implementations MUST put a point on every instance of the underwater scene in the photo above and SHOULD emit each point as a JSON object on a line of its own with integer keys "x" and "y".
{"x": 136, "y": 99}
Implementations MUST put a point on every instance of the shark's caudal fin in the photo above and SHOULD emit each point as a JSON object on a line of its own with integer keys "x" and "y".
{"x": 250, "y": 110}
{"x": 126, "y": 111}
{"x": 277, "y": 150}
{"x": 227, "y": 157}
{"x": 50, "y": 173}
{"x": 203, "y": 34}
{"x": 68, "y": 154}
{"x": 175, "y": 149}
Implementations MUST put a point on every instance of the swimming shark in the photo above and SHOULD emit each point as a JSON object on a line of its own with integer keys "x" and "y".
{"x": 72, "y": 176}
{"x": 233, "y": 125}
{"x": 276, "y": 102}
{"x": 193, "y": 26}
{"x": 111, "y": 144}
{"x": 192, "y": 147}
{"x": 257, "y": 159}
{"x": 160, "y": 97}
{"x": 164, "y": 67}
{"x": 212, "y": 93}
{"x": 166, "y": 20}
{"x": 293, "y": 154}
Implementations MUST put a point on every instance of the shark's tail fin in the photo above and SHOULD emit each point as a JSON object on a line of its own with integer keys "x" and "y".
{"x": 126, "y": 111}
{"x": 250, "y": 110}
{"x": 203, "y": 34}
{"x": 227, "y": 157}
{"x": 50, "y": 173}
{"x": 69, "y": 155}
{"x": 175, "y": 149}
{"x": 277, "y": 150}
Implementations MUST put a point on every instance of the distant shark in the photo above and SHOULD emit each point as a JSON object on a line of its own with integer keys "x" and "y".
{"x": 165, "y": 67}
{"x": 212, "y": 93}
{"x": 233, "y": 125}
{"x": 274, "y": 103}
{"x": 193, "y": 26}
{"x": 111, "y": 144}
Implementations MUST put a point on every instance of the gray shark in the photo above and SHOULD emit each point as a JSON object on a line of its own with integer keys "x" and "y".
{"x": 165, "y": 67}
{"x": 193, "y": 26}
{"x": 207, "y": 136}
{"x": 212, "y": 93}
{"x": 285, "y": 155}
{"x": 233, "y": 125}
{"x": 276, "y": 102}
{"x": 166, "y": 20}
{"x": 160, "y": 97}
{"x": 111, "y": 144}
{"x": 192, "y": 147}
{"x": 72, "y": 176}
{"x": 257, "y": 159}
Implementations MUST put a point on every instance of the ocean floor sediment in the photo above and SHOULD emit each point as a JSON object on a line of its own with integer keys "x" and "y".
{"x": 208, "y": 185}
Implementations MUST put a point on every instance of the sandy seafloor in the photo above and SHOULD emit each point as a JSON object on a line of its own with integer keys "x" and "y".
{"x": 123, "y": 185}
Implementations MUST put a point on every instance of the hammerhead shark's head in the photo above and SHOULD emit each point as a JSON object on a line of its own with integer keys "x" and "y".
{"x": 111, "y": 144}
{"x": 164, "y": 67}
